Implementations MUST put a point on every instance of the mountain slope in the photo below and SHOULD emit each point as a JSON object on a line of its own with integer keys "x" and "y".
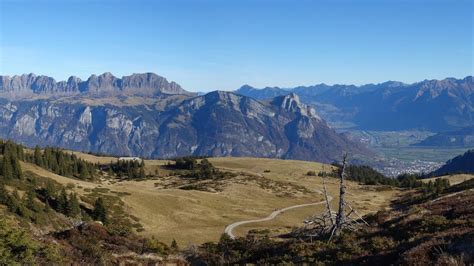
{"x": 457, "y": 138}
{"x": 460, "y": 164}
{"x": 436, "y": 105}
{"x": 215, "y": 124}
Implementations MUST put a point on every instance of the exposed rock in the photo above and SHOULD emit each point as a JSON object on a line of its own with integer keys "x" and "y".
{"x": 216, "y": 124}
{"x": 148, "y": 84}
{"x": 436, "y": 105}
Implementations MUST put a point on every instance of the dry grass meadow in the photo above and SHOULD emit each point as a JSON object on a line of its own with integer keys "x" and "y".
{"x": 453, "y": 179}
{"x": 258, "y": 188}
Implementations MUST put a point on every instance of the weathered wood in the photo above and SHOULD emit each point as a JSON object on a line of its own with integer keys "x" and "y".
{"x": 341, "y": 216}
{"x": 329, "y": 223}
{"x": 328, "y": 206}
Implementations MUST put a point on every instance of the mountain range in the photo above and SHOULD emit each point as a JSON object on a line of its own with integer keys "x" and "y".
{"x": 145, "y": 115}
{"x": 434, "y": 105}
{"x": 458, "y": 138}
{"x": 146, "y": 84}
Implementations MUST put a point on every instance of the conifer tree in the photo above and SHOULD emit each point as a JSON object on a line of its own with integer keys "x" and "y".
{"x": 50, "y": 189}
{"x": 83, "y": 173}
{"x": 17, "y": 172}
{"x": 7, "y": 169}
{"x": 38, "y": 157}
{"x": 22, "y": 209}
{"x": 13, "y": 201}
{"x": 3, "y": 193}
{"x": 73, "y": 208}
{"x": 99, "y": 213}
{"x": 30, "y": 200}
{"x": 62, "y": 202}
{"x": 111, "y": 171}
{"x": 142, "y": 173}
{"x": 174, "y": 245}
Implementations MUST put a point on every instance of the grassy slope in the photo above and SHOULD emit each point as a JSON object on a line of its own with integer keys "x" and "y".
{"x": 453, "y": 179}
{"x": 192, "y": 216}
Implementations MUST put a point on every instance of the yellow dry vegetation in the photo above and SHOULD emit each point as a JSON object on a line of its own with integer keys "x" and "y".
{"x": 194, "y": 217}
{"x": 453, "y": 179}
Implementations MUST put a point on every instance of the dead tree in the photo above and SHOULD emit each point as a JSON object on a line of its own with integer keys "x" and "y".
{"x": 326, "y": 198}
{"x": 329, "y": 223}
{"x": 341, "y": 215}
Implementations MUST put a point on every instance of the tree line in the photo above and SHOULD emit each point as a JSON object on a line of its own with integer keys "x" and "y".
{"x": 198, "y": 170}
{"x": 40, "y": 198}
{"x": 133, "y": 169}
{"x": 53, "y": 159}
{"x": 63, "y": 163}
{"x": 366, "y": 175}
{"x": 12, "y": 154}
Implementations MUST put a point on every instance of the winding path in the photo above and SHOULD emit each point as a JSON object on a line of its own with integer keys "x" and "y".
{"x": 228, "y": 230}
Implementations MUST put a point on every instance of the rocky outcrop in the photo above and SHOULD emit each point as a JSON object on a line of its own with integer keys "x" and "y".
{"x": 147, "y": 84}
{"x": 216, "y": 124}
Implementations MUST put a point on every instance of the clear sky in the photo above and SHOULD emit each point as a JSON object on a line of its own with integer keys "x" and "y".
{"x": 206, "y": 45}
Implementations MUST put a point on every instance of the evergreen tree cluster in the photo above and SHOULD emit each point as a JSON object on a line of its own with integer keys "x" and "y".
{"x": 436, "y": 187}
{"x": 368, "y": 176}
{"x": 185, "y": 163}
{"x": 202, "y": 170}
{"x": 53, "y": 159}
{"x": 409, "y": 180}
{"x": 16, "y": 246}
{"x": 100, "y": 212}
{"x": 132, "y": 169}
{"x": 205, "y": 170}
{"x": 37, "y": 201}
{"x": 10, "y": 164}
{"x": 63, "y": 163}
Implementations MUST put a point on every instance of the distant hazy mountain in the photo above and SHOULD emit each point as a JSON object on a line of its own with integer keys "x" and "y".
{"x": 165, "y": 125}
{"x": 106, "y": 84}
{"x": 460, "y": 164}
{"x": 261, "y": 94}
{"x": 458, "y": 138}
{"x": 436, "y": 105}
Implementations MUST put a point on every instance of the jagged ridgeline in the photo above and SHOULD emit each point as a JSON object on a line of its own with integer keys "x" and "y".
{"x": 148, "y": 84}
{"x": 153, "y": 118}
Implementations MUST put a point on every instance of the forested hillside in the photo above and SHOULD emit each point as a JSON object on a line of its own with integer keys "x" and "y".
{"x": 44, "y": 222}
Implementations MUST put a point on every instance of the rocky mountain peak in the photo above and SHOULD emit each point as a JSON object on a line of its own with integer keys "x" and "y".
{"x": 73, "y": 80}
{"x": 246, "y": 87}
{"x": 431, "y": 89}
{"x": 106, "y": 84}
{"x": 290, "y": 102}
{"x": 150, "y": 83}
{"x": 222, "y": 97}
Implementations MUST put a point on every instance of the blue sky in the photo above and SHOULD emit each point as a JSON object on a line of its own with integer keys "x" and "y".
{"x": 208, "y": 45}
